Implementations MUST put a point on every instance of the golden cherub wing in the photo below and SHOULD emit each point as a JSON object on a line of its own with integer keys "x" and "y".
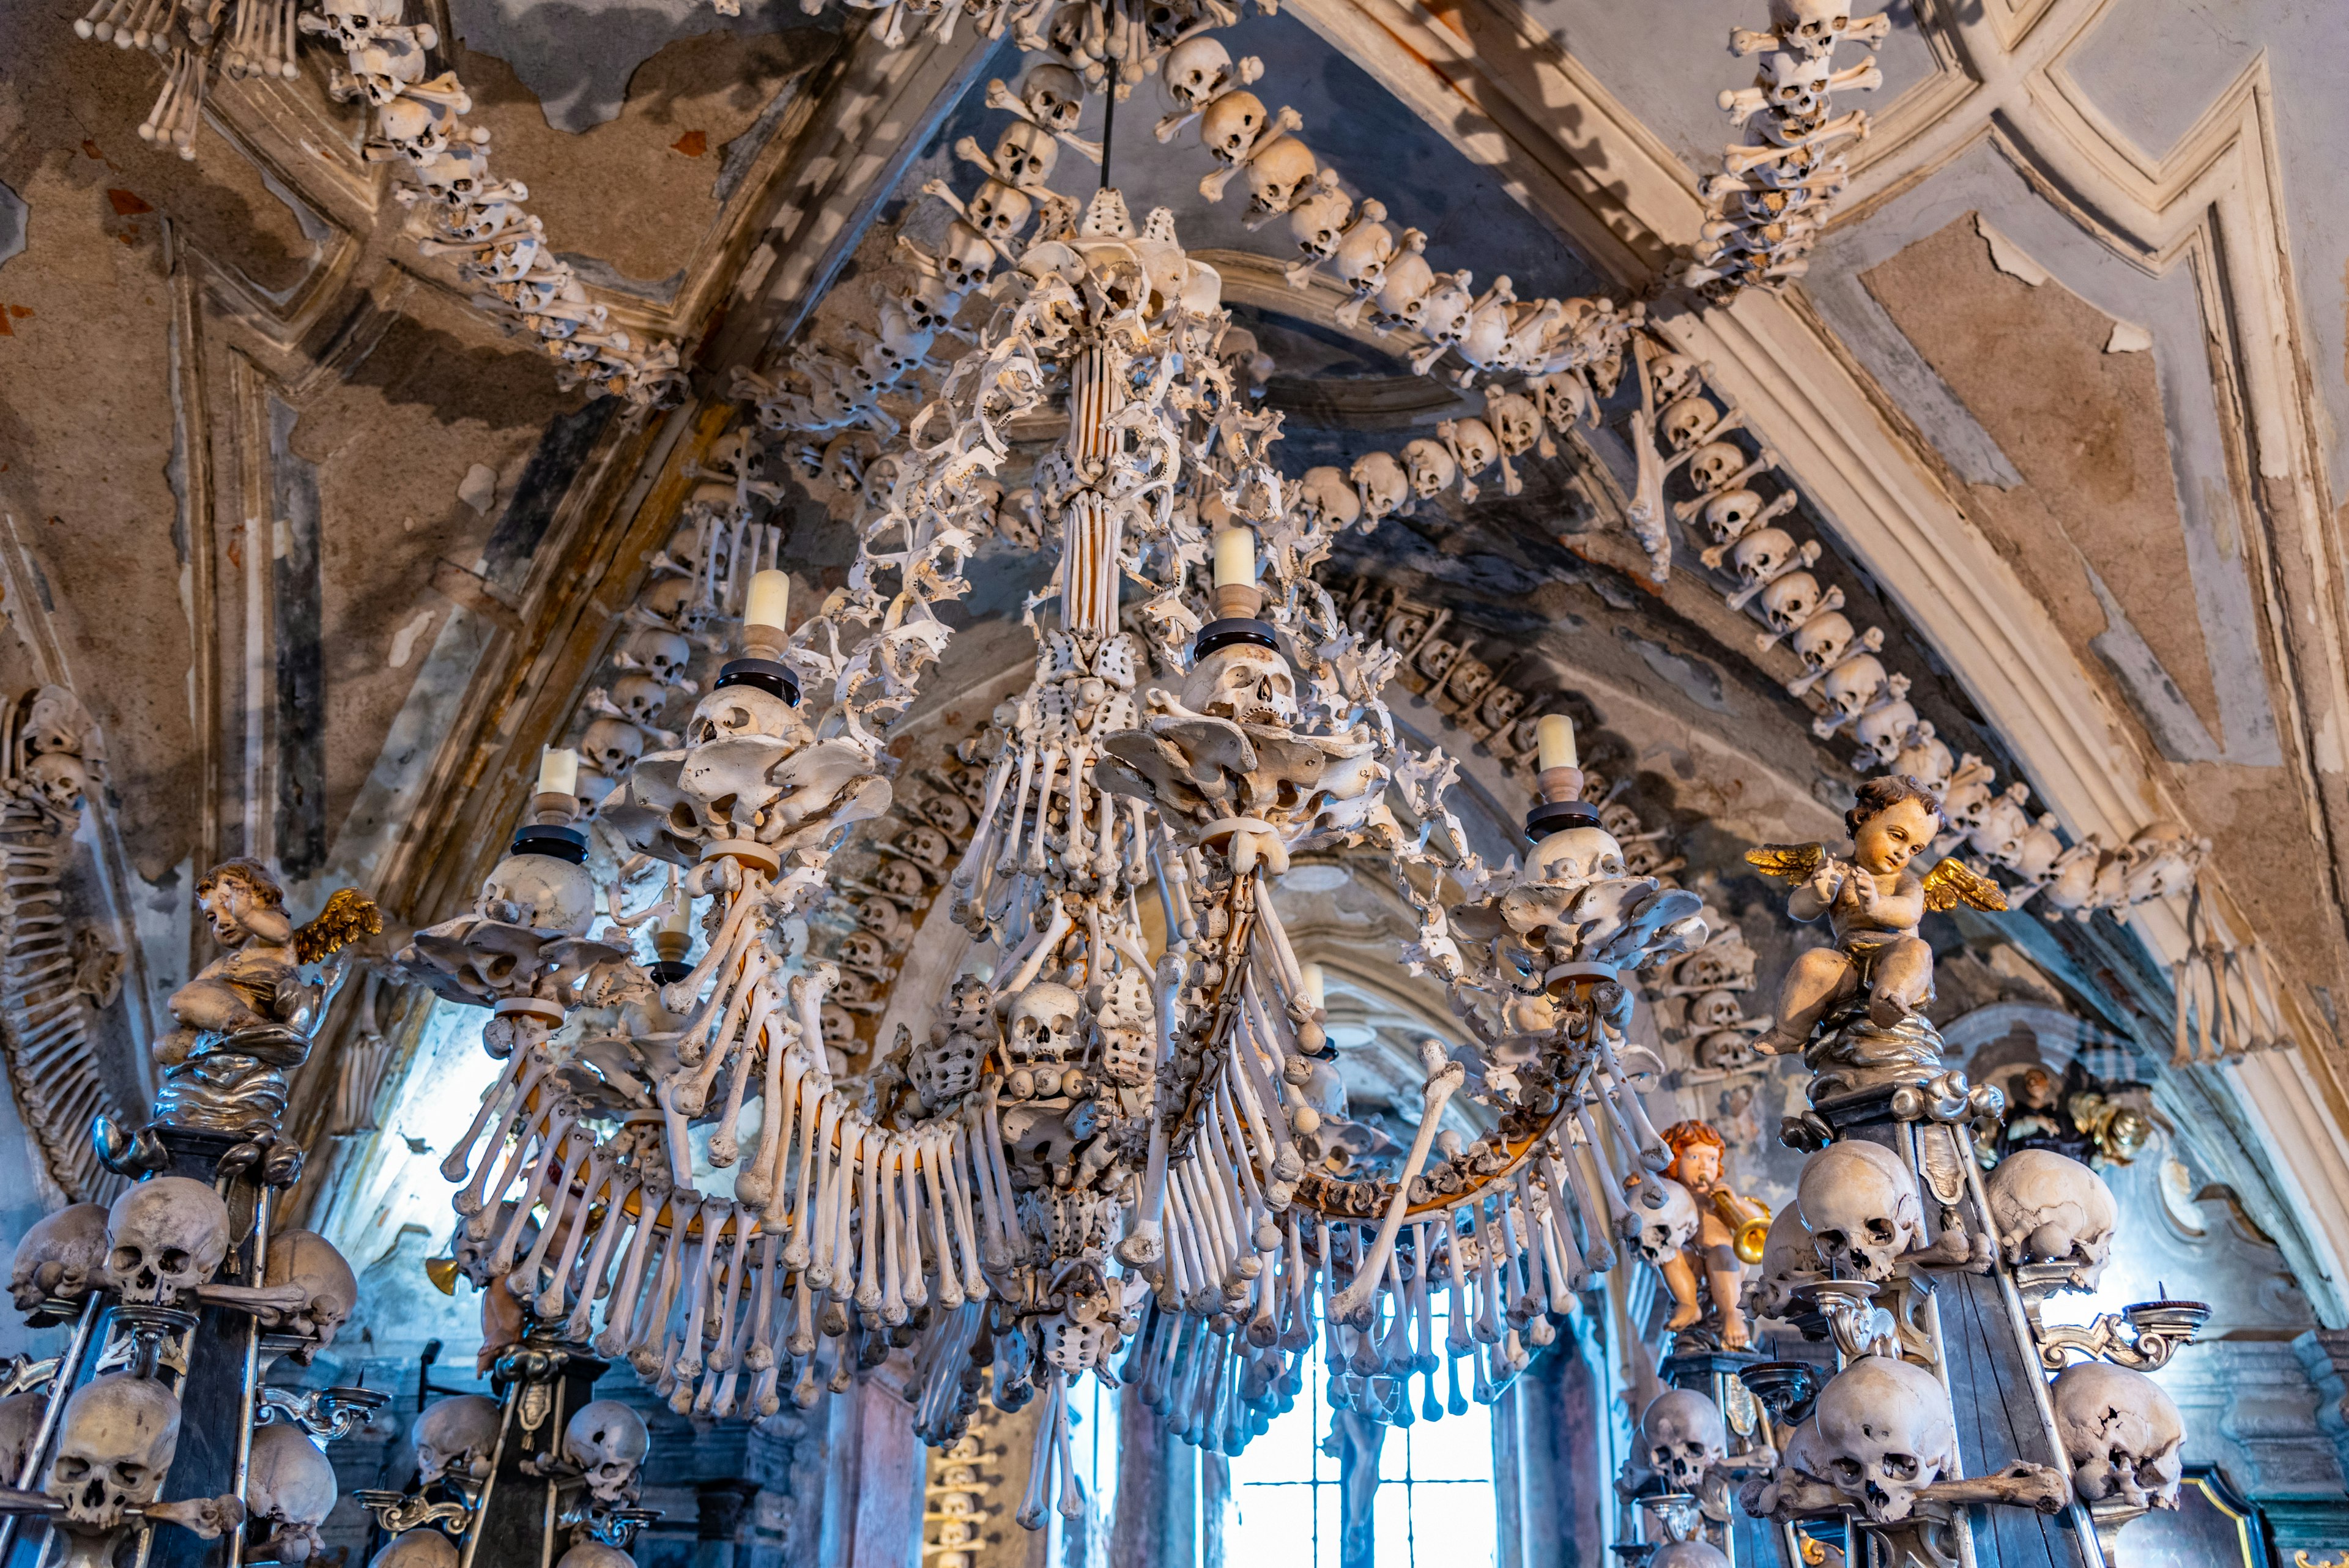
{"x": 1794, "y": 862}
{"x": 1950, "y": 883}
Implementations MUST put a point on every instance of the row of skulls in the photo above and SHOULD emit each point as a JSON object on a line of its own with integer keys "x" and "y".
{"x": 697, "y": 578}
{"x": 468, "y": 213}
{"x": 1767, "y": 206}
{"x": 1881, "y": 1429}
{"x": 1843, "y": 675}
{"x": 1880, "y": 1432}
{"x": 1389, "y": 282}
{"x": 159, "y": 1245}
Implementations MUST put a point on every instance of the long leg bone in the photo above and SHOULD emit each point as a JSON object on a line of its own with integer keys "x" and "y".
{"x": 1443, "y": 1077}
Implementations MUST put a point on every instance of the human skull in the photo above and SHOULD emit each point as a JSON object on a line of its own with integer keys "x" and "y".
{"x": 1674, "y": 376}
{"x": 1925, "y": 758}
{"x": 1811, "y": 25}
{"x": 1025, "y": 154}
{"x": 1197, "y": 69}
{"x": 1882, "y": 732}
{"x": 1714, "y": 1009}
{"x": 1279, "y": 175}
{"x": 1574, "y": 856}
{"x": 1444, "y": 310}
{"x": 1403, "y": 286}
{"x": 663, "y": 655}
{"x": 1762, "y": 557}
{"x": 1516, "y": 423}
{"x": 1563, "y": 396}
{"x": 1683, "y": 1437}
{"x": 965, "y": 258}
{"x": 1327, "y": 499}
{"x": 62, "y": 778}
{"x": 1245, "y": 683}
{"x": 1726, "y": 1051}
{"x": 1852, "y": 683}
{"x": 422, "y": 1548}
{"x": 1054, "y": 96}
{"x": 1318, "y": 222}
{"x": 608, "y": 1440}
{"x": 1860, "y": 1199}
{"x": 306, "y": 1259}
{"x": 413, "y": 128}
{"x": 1363, "y": 253}
{"x": 1382, "y": 483}
{"x": 2050, "y": 1208}
{"x": 1997, "y": 834}
{"x": 1730, "y": 513}
{"x": 1040, "y": 1023}
{"x": 1473, "y": 442}
{"x": 998, "y": 211}
{"x": 289, "y": 1485}
{"x": 455, "y": 1437}
{"x": 115, "y": 1445}
{"x": 1790, "y": 1256}
{"x": 1684, "y": 421}
{"x": 613, "y": 745}
{"x": 541, "y": 892}
{"x": 165, "y": 1237}
{"x": 1884, "y": 1425}
{"x": 59, "y": 1259}
{"x": 1663, "y": 1231}
{"x": 597, "y": 1554}
{"x": 1431, "y": 467}
{"x": 1230, "y": 124}
{"x": 2121, "y": 1432}
{"x": 641, "y": 698}
{"x": 1795, "y": 83}
{"x": 1820, "y": 639}
{"x": 1715, "y": 463}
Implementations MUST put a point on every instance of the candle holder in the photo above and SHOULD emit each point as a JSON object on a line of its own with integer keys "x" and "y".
{"x": 769, "y": 675}
{"x": 1561, "y": 804}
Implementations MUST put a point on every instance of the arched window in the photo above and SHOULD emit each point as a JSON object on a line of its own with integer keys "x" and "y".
{"x": 1433, "y": 1505}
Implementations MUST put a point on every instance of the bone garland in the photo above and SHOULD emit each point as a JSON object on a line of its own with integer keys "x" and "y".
{"x": 1767, "y": 206}
{"x": 48, "y": 1007}
{"x": 415, "y": 120}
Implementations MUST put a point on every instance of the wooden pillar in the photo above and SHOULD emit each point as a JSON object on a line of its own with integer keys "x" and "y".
{"x": 1157, "y": 1493}
{"x": 873, "y": 1477}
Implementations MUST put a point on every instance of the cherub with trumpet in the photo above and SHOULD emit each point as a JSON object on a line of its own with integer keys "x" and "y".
{"x": 1873, "y": 902}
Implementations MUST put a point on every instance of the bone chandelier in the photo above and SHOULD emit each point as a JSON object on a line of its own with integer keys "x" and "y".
{"x": 1104, "y": 1159}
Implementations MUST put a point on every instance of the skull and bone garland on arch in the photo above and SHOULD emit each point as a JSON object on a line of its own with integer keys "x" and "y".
{"x": 1550, "y": 364}
{"x": 413, "y": 120}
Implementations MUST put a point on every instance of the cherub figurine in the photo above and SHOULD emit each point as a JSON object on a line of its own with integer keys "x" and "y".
{"x": 1873, "y": 902}
{"x": 1697, "y": 1153}
{"x": 245, "y": 1019}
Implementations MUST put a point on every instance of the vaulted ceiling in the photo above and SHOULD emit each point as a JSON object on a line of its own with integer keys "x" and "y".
{"x": 328, "y": 555}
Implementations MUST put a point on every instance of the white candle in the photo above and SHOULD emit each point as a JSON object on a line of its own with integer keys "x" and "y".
{"x": 1317, "y": 984}
{"x": 771, "y": 600}
{"x": 1554, "y": 737}
{"x": 678, "y": 922}
{"x": 558, "y": 771}
{"x": 1236, "y": 559}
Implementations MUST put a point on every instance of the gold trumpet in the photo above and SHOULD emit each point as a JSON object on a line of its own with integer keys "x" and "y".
{"x": 1748, "y": 1219}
